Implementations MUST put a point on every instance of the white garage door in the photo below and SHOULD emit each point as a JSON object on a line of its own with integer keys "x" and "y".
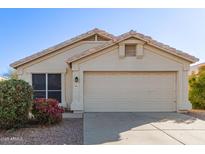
{"x": 129, "y": 91}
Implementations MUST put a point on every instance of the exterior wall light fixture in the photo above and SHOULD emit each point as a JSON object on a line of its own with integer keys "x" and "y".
{"x": 76, "y": 79}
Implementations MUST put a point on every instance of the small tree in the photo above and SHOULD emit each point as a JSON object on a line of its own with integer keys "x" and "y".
{"x": 197, "y": 89}
{"x": 15, "y": 103}
{"x": 11, "y": 74}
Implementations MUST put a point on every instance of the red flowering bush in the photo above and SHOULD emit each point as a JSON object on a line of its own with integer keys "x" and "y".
{"x": 47, "y": 111}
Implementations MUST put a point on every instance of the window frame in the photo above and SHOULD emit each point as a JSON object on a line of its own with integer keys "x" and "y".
{"x": 46, "y": 90}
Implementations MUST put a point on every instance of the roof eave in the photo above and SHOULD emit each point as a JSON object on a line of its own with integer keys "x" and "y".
{"x": 69, "y": 42}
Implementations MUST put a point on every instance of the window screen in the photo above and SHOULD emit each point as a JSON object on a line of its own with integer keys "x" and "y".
{"x": 54, "y": 86}
{"x": 47, "y": 86}
{"x": 39, "y": 81}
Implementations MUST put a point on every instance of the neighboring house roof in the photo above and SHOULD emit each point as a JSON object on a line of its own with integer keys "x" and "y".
{"x": 113, "y": 40}
{"x": 62, "y": 45}
{"x": 140, "y": 36}
{"x": 195, "y": 68}
{"x": 1, "y": 78}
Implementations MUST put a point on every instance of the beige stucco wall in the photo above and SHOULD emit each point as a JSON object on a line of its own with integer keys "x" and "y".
{"x": 56, "y": 63}
{"x": 153, "y": 60}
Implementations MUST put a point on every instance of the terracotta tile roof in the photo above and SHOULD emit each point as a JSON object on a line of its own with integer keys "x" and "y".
{"x": 140, "y": 36}
{"x": 62, "y": 45}
{"x": 151, "y": 41}
{"x": 113, "y": 40}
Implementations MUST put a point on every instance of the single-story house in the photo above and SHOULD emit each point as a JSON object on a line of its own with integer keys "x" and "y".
{"x": 100, "y": 72}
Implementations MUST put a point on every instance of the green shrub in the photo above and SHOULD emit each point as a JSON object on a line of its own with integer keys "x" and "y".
{"x": 15, "y": 103}
{"x": 197, "y": 89}
{"x": 47, "y": 111}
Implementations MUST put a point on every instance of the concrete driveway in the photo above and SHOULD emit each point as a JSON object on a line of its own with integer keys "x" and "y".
{"x": 142, "y": 128}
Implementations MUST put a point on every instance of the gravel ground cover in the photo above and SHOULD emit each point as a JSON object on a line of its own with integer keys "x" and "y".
{"x": 197, "y": 113}
{"x": 69, "y": 131}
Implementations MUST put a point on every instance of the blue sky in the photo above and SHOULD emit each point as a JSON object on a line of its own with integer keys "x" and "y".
{"x": 26, "y": 31}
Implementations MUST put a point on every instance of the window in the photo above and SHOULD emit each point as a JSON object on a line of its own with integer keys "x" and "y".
{"x": 54, "y": 86}
{"x": 39, "y": 85}
{"x": 47, "y": 86}
{"x": 130, "y": 50}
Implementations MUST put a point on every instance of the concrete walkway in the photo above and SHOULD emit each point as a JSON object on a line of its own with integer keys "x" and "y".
{"x": 142, "y": 128}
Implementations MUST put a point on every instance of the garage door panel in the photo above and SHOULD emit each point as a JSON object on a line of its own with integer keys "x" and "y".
{"x": 129, "y": 94}
{"x": 130, "y": 107}
{"x": 129, "y": 91}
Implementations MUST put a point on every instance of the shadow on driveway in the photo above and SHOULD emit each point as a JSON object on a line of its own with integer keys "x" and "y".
{"x": 137, "y": 128}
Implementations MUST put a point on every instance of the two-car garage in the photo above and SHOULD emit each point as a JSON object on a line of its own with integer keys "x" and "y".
{"x": 129, "y": 91}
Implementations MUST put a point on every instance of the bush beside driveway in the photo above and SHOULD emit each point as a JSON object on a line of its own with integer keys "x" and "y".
{"x": 69, "y": 131}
